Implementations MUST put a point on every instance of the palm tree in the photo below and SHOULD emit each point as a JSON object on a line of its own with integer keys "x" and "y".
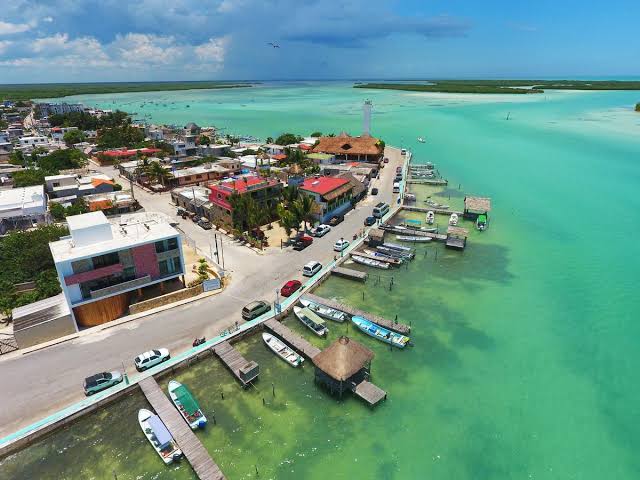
{"x": 157, "y": 173}
{"x": 290, "y": 194}
{"x": 303, "y": 209}
{"x": 287, "y": 220}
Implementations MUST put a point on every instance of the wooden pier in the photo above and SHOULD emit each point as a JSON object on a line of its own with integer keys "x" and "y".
{"x": 350, "y": 274}
{"x": 438, "y": 211}
{"x": 392, "y": 261}
{"x": 292, "y": 338}
{"x": 428, "y": 181}
{"x": 370, "y": 393}
{"x": 414, "y": 232}
{"x": 194, "y": 451}
{"x": 383, "y": 322}
{"x": 244, "y": 370}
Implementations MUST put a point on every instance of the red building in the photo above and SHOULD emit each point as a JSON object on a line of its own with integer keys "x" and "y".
{"x": 331, "y": 194}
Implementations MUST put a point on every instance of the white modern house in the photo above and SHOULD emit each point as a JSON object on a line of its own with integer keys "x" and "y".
{"x": 33, "y": 141}
{"x": 22, "y": 207}
{"x": 47, "y": 109}
{"x": 101, "y": 262}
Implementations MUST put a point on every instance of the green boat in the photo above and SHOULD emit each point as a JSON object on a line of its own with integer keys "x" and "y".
{"x": 186, "y": 405}
{"x": 481, "y": 222}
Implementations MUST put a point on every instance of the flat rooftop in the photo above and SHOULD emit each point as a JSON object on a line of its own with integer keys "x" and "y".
{"x": 22, "y": 198}
{"x": 126, "y": 231}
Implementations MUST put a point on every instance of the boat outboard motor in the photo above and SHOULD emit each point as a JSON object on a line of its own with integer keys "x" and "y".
{"x": 198, "y": 341}
{"x": 201, "y": 423}
{"x": 176, "y": 456}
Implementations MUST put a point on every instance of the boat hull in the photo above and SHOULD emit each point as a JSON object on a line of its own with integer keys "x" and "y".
{"x": 316, "y": 325}
{"x": 143, "y": 418}
{"x": 324, "y": 311}
{"x": 380, "y": 333}
{"x": 281, "y": 350}
{"x": 195, "y": 423}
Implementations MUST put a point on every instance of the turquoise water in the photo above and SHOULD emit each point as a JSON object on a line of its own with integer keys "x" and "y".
{"x": 525, "y": 358}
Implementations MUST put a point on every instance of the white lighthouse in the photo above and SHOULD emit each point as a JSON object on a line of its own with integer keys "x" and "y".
{"x": 366, "y": 118}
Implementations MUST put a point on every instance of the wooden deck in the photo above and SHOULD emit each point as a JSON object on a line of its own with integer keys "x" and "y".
{"x": 349, "y": 273}
{"x": 427, "y": 181}
{"x": 194, "y": 451}
{"x": 244, "y": 370}
{"x": 292, "y": 338}
{"x": 438, "y": 211}
{"x": 383, "y": 322}
{"x": 415, "y": 233}
{"x": 370, "y": 393}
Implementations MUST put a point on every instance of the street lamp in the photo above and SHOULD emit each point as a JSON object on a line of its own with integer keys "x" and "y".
{"x": 277, "y": 305}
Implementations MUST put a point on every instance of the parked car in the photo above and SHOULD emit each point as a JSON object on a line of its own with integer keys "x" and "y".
{"x": 321, "y": 230}
{"x": 311, "y": 268}
{"x": 151, "y": 359}
{"x": 302, "y": 243}
{"x": 374, "y": 191}
{"x": 101, "y": 381}
{"x": 386, "y": 159}
{"x": 340, "y": 245}
{"x": 255, "y": 309}
{"x": 290, "y": 287}
{"x": 369, "y": 221}
{"x": 398, "y": 169}
{"x": 204, "y": 223}
{"x": 335, "y": 220}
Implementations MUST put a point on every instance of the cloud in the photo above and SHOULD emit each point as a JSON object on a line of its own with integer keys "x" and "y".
{"x": 13, "y": 28}
{"x": 4, "y": 46}
{"x": 213, "y": 51}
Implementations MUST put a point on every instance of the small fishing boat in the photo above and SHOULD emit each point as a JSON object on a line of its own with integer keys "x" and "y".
{"x": 384, "y": 257}
{"x": 421, "y": 139}
{"x": 324, "y": 311}
{"x": 285, "y": 352}
{"x": 159, "y": 436}
{"x": 481, "y": 222}
{"x": 186, "y": 405}
{"x": 431, "y": 217}
{"x": 311, "y": 320}
{"x": 394, "y": 253}
{"x": 453, "y": 219}
{"x": 370, "y": 262}
{"x": 407, "y": 238}
{"x": 410, "y": 197}
{"x": 380, "y": 333}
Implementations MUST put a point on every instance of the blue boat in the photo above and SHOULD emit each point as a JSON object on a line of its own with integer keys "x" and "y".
{"x": 380, "y": 333}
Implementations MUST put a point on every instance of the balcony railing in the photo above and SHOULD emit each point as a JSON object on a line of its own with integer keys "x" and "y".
{"x": 120, "y": 287}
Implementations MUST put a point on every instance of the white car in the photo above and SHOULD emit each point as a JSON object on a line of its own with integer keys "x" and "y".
{"x": 321, "y": 230}
{"x": 151, "y": 358}
{"x": 340, "y": 245}
{"x": 311, "y": 268}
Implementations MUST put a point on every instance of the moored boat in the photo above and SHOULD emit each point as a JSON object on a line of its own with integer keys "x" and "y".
{"x": 282, "y": 350}
{"x": 431, "y": 217}
{"x": 453, "y": 219}
{"x": 186, "y": 405}
{"x": 159, "y": 436}
{"x": 380, "y": 333}
{"x": 407, "y": 238}
{"x": 370, "y": 262}
{"x": 481, "y": 222}
{"x": 324, "y": 311}
{"x": 311, "y": 320}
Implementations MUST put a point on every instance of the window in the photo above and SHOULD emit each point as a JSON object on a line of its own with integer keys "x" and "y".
{"x": 105, "y": 260}
{"x": 55, "y": 184}
{"x": 169, "y": 266}
{"x": 166, "y": 245}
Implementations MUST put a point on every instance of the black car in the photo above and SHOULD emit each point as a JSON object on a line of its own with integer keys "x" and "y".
{"x": 369, "y": 221}
{"x": 335, "y": 220}
{"x": 374, "y": 191}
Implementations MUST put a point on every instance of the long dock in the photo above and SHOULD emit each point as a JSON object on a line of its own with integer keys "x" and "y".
{"x": 427, "y": 181}
{"x": 415, "y": 233}
{"x": 370, "y": 393}
{"x": 194, "y": 451}
{"x": 439, "y": 211}
{"x": 350, "y": 273}
{"x": 244, "y": 370}
{"x": 401, "y": 328}
{"x": 292, "y": 338}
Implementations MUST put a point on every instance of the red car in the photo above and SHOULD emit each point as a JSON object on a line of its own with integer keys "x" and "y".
{"x": 290, "y": 287}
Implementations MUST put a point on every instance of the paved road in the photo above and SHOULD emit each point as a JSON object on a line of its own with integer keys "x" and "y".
{"x": 39, "y": 383}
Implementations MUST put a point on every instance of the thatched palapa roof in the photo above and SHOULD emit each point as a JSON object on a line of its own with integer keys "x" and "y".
{"x": 477, "y": 204}
{"x": 344, "y": 144}
{"x": 458, "y": 232}
{"x": 343, "y": 358}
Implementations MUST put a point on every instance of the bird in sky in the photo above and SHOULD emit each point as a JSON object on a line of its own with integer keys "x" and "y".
{"x": 274, "y": 45}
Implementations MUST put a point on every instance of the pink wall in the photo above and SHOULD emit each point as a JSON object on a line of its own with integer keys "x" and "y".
{"x": 146, "y": 260}
{"x": 93, "y": 274}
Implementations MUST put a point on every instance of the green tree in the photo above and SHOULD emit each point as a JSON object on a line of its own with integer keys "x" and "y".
{"x": 28, "y": 177}
{"x": 17, "y": 158}
{"x": 269, "y": 140}
{"x": 119, "y": 136}
{"x": 287, "y": 220}
{"x": 204, "y": 140}
{"x": 73, "y": 136}
{"x": 303, "y": 209}
{"x": 157, "y": 173}
{"x": 57, "y": 211}
{"x": 57, "y": 160}
{"x": 288, "y": 139}
{"x": 290, "y": 194}
{"x": 77, "y": 208}
{"x": 316, "y": 134}
{"x": 638, "y": 107}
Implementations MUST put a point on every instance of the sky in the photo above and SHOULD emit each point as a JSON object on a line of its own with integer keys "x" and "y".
{"x": 147, "y": 40}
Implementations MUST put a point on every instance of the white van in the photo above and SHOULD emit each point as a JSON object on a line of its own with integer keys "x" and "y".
{"x": 380, "y": 210}
{"x": 396, "y": 187}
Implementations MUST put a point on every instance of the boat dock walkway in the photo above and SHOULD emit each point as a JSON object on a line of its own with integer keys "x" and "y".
{"x": 414, "y": 232}
{"x": 370, "y": 393}
{"x": 350, "y": 273}
{"x": 439, "y": 211}
{"x": 392, "y": 261}
{"x": 292, "y": 338}
{"x": 383, "y": 322}
{"x": 244, "y": 370}
{"x": 194, "y": 451}
{"x": 427, "y": 181}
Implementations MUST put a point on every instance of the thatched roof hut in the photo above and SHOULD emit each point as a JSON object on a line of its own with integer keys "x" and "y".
{"x": 343, "y": 358}
{"x": 477, "y": 205}
{"x": 456, "y": 237}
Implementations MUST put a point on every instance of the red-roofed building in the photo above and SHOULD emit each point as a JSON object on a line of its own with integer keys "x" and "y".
{"x": 111, "y": 155}
{"x": 265, "y": 191}
{"x": 331, "y": 194}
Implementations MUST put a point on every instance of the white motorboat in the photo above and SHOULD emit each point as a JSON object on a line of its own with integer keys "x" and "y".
{"x": 282, "y": 350}
{"x": 421, "y": 139}
{"x": 453, "y": 219}
{"x": 407, "y": 238}
{"x": 311, "y": 320}
{"x": 370, "y": 262}
{"x": 431, "y": 217}
{"x": 324, "y": 311}
{"x": 186, "y": 405}
{"x": 159, "y": 436}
